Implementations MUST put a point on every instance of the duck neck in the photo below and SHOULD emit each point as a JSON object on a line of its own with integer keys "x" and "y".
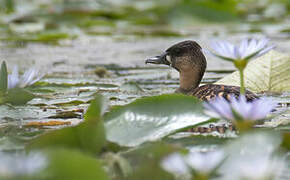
{"x": 189, "y": 80}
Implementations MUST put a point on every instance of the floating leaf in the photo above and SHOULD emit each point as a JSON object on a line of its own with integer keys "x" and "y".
{"x": 152, "y": 118}
{"x": 3, "y": 77}
{"x": 89, "y": 136}
{"x": 131, "y": 87}
{"x": 270, "y": 73}
{"x": 18, "y": 96}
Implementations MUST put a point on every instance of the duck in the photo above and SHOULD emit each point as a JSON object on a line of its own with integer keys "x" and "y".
{"x": 188, "y": 59}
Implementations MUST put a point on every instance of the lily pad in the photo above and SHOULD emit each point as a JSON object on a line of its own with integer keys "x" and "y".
{"x": 18, "y": 96}
{"x": 270, "y": 73}
{"x": 152, "y": 118}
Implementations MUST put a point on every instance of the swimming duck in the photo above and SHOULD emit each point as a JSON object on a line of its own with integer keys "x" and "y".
{"x": 187, "y": 58}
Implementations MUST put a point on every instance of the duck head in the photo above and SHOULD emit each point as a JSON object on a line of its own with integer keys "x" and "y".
{"x": 187, "y": 58}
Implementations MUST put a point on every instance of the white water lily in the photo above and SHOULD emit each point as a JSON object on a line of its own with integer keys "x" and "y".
{"x": 28, "y": 78}
{"x": 239, "y": 109}
{"x": 201, "y": 162}
{"x": 247, "y": 49}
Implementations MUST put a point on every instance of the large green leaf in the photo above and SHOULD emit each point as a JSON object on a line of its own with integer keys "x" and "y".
{"x": 152, "y": 118}
{"x": 89, "y": 136}
{"x": 270, "y": 72}
{"x": 3, "y": 77}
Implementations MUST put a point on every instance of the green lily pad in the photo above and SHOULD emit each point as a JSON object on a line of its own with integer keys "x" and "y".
{"x": 152, "y": 118}
{"x": 270, "y": 73}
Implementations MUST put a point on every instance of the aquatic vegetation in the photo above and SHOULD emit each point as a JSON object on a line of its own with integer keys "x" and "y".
{"x": 12, "y": 85}
{"x": 240, "y": 54}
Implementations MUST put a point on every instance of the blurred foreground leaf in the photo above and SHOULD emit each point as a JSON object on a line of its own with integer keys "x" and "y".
{"x": 152, "y": 118}
{"x": 118, "y": 166}
{"x": 73, "y": 165}
{"x": 88, "y": 136}
{"x": 270, "y": 73}
{"x": 56, "y": 164}
{"x": 252, "y": 156}
{"x": 146, "y": 160}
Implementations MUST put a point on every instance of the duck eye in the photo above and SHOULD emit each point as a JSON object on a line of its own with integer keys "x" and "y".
{"x": 168, "y": 58}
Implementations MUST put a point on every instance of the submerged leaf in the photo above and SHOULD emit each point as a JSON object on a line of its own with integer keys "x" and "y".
{"x": 270, "y": 72}
{"x": 152, "y": 118}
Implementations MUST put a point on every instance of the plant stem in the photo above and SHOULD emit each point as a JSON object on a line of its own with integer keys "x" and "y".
{"x": 242, "y": 87}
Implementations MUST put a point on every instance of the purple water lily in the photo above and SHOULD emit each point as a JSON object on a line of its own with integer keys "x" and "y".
{"x": 247, "y": 49}
{"x": 239, "y": 109}
{"x": 240, "y": 54}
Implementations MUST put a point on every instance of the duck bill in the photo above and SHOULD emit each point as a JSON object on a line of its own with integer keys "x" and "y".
{"x": 158, "y": 60}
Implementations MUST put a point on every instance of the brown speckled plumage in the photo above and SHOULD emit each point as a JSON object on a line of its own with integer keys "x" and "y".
{"x": 211, "y": 91}
{"x": 187, "y": 58}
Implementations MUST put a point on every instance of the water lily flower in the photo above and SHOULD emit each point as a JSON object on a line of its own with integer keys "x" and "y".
{"x": 240, "y": 54}
{"x": 247, "y": 49}
{"x": 203, "y": 163}
{"x": 28, "y": 78}
{"x": 240, "y": 109}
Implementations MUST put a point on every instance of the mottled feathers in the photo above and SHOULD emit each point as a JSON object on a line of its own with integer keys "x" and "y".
{"x": 211, "y": 91}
